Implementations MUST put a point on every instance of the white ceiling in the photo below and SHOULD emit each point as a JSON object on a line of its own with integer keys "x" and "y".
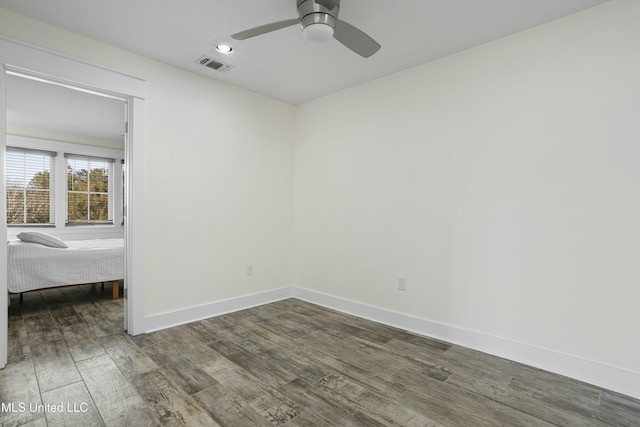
{"x": 282, "y": 64}
{"x": 37, "y": 105}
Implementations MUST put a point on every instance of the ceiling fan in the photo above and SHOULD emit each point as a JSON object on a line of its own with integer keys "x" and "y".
{"x": 319, "y": 22}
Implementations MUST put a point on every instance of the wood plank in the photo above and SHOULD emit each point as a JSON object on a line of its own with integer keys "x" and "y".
{"x": 237, "y": 382}
{"x": 136, "y": 417}
{"x": 496, "y": 370}
{"x": 65, "y": 315}
{"x": 383, "y": 409}
{"x": 54, "y": 365}
{"x": 451, "y": 405}
{"x": 320, "y": 358}
{"x": 224, "y": 327}
{"x": 113, "y": 395}
{"x": 239, "y": 399}
{"x": 53, "y": 296}
{"x": 398, "y": 334}
{"x": 325, "y": 406}
{"x": 190, "y": 378}
{"x": 497, "y": 376}
{"x": 311, "y": 323}
{"x": 77, "y": 406}
{"x": 17, "y": 339}
{"x": 127, "y": 356}
{"x": 100, "y": 321}
{"x": 149, "y": 339}
{"x": 616, "y": 408}
{"x": 326, "y": 359}
{"x": 275, "y": 408}
{"x": 446, "y": 414}
{"x": 19, "y": 385}
{"x": 82, "y": 344}
{"x": 329, "y": 324}
{"x": 242, "y": 328}
{"x": 278, "y": 349}
{"x": 531, "y": 403}
{"x": 573, "y": 393}
{"x": 307, "y": 418}
{"x": 112, "y": 308}
{"x": 286, "y": 324}
{"x": 227, "y": 409}
{"x": 262, "y": 311}
{"x": 295, "y": 305}
{"x": 293, "y": 363}
{"x": 41, "y": 327}
{"x": 40, "y": 422}
{"x": 171, "y": 406}
{"x": 264, "y": 370}
{"x": 377, "y": 360}
{"x": 336, "y": 328}
{"x": 190, "y": 347}
{"x": 580, "y": 400}
{"x": 240, "y": 390}
{"x": 202, "y": 331}
{"x": 311, "y": 311}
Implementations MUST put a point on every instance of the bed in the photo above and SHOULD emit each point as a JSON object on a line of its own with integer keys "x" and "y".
{"x": 33, "y": 265}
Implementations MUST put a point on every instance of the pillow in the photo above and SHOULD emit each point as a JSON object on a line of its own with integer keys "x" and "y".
{"x": 41, "y": 238}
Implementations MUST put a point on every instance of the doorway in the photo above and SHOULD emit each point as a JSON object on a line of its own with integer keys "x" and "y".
{"x": 62, "y": 70}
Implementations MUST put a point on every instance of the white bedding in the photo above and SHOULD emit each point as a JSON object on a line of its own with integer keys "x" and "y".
{"x": 33, "y": 266}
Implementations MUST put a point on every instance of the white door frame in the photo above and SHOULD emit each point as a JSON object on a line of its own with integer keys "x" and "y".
{"x": 36, "y": 61}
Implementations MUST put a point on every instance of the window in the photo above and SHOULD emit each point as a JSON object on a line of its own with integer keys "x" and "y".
{"x": 73, "y": 188}
{"x": 89, "y": 190}
{"x": 30, "y": 187}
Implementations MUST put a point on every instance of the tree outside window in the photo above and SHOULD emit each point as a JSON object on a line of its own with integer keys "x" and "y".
{"x": 89, "y": 188}
{"x": 29, "y": 191}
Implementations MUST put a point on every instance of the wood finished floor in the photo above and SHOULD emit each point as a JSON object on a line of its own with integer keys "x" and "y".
{"x": 286, "y": 363}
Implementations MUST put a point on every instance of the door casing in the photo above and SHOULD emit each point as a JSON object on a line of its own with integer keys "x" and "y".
{"x": 38, "y": 62}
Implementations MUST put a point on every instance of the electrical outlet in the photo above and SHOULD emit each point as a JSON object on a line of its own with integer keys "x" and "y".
{"x": 402, "y": 283}
{"x": 250, "y": 269}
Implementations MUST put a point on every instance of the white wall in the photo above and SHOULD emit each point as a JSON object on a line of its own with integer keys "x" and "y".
{"x": 234, "y": 205}
{"x": 502, "y": 182}
{"x": 234, "y": 150}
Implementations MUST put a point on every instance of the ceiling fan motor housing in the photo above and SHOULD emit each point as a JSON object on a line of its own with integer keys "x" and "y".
{"x": 311, "y": 12}
{"x": 319, "y": 22}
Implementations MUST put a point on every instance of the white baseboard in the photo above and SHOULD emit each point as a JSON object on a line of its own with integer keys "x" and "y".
{"x": 193, "y": 314}
{"x": 605, "y": 376}
{"x": 601, "y": 375}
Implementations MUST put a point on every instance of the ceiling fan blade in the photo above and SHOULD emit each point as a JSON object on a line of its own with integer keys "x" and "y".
{"x": 355, "y": 39}
{"x": 329, "y": 4}
{"x": 263, "y": 29}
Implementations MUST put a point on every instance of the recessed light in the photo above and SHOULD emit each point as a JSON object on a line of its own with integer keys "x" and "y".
{"x": 224, "y": 48}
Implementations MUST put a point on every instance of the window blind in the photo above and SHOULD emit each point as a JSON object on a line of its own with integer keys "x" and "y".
{"x": 30, "y": 179}
{"x": 89, "y": 190}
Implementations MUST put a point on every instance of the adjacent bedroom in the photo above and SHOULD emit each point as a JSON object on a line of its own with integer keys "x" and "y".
{"x": 65, "y": 191}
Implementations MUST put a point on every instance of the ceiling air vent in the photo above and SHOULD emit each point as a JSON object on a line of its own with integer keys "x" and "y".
{"x": 213, "y": 64}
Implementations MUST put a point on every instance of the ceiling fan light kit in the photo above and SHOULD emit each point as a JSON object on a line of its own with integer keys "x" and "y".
{"x": 319, "y": 22}
{"x": 317, "y": 32}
